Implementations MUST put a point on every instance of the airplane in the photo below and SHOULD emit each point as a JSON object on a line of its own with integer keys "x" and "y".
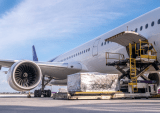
{"x": 25, "y": 75}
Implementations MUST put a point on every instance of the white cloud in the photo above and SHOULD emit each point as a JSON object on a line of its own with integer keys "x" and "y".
{"x": 54, "y": 19}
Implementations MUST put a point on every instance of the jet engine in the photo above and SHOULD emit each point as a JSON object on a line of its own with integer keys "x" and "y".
{"x": 155, "y": 77}
{"x": 24, "y": 75}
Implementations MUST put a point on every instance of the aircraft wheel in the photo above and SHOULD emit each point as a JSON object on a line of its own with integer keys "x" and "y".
{"x": 49, "y": 93}
{"x": 35, "y": 93}
{"x": 45, "y": 93}
{"x": 39, "y": 93}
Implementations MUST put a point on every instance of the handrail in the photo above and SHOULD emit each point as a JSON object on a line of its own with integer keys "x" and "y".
{"x": 151, "y": 54}
{"x": 120, "y": 57}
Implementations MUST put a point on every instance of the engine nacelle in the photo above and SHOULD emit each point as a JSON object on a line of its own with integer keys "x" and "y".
{"x": 155, "y": 77}
{"x": 24, "y": 75}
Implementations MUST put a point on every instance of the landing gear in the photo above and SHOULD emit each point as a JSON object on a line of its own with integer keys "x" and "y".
{"x": 41, "y": 92}
{"x": 37, "y": 93}
{"x": 45, "y": 93}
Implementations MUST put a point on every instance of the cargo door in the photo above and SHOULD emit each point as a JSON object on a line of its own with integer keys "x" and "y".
{"x": 95, "y": 48}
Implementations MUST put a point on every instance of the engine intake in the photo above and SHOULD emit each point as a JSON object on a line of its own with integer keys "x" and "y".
{"x": 24, "y": 75}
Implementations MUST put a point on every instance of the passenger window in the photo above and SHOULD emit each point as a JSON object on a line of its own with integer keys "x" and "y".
{"x": 108, "y": 42}
{"x": 141, "y": 28}
{"x": 102, "y": 44}
{"x": 154, "y": 43}
{"x": 76, "y": 54}
{"x": 146, "y": 26}
{"x": 89, "y": 49}
{"x": 80, "y": 53}
{"x": 84, "y": 51}
{"x": 152, "y": 24}
{"x": 105, "y": 43}
{"x": 136, "y": 30}
{"x": 159, "y": 21}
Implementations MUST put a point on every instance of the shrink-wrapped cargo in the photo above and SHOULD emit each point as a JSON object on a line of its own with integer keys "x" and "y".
{"x": 92, "y": 82}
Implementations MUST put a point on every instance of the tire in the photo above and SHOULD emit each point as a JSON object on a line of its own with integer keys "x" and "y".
{"x": 39, "y": 93}
{"x": 49, "y": 93}
{"x": 45, "y": 93}
{"x": 35, "y": 93}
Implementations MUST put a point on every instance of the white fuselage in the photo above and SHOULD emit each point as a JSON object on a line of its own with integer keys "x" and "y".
{"x": 94, "y": 59}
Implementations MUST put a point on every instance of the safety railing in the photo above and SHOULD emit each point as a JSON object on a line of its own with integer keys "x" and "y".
{"x": 114, "y": 56}
{"x": 146, "y": 50}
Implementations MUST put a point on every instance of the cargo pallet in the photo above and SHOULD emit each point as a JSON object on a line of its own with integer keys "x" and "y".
{"x": 99, "y": 95}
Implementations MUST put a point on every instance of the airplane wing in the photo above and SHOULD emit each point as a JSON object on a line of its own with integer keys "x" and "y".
{"x": 26, "y": 75}
{"x": 7, "y": 63}
{"x": 58, "y": 70}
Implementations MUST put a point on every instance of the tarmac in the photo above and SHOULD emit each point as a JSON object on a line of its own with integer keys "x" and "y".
{"x": 21, "y": 104}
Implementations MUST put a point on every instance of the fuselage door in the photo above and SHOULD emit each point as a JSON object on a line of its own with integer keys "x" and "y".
{"x": 95, "y": 48}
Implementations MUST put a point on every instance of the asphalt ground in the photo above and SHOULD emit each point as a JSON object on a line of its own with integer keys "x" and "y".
{"x": 48, "y": 105}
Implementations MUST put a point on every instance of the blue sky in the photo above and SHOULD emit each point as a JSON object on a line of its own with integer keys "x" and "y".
{"x": 57, "y": 26}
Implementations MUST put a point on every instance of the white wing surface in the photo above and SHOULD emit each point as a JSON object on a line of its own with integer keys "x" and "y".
{"x": 57, "y": 70}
